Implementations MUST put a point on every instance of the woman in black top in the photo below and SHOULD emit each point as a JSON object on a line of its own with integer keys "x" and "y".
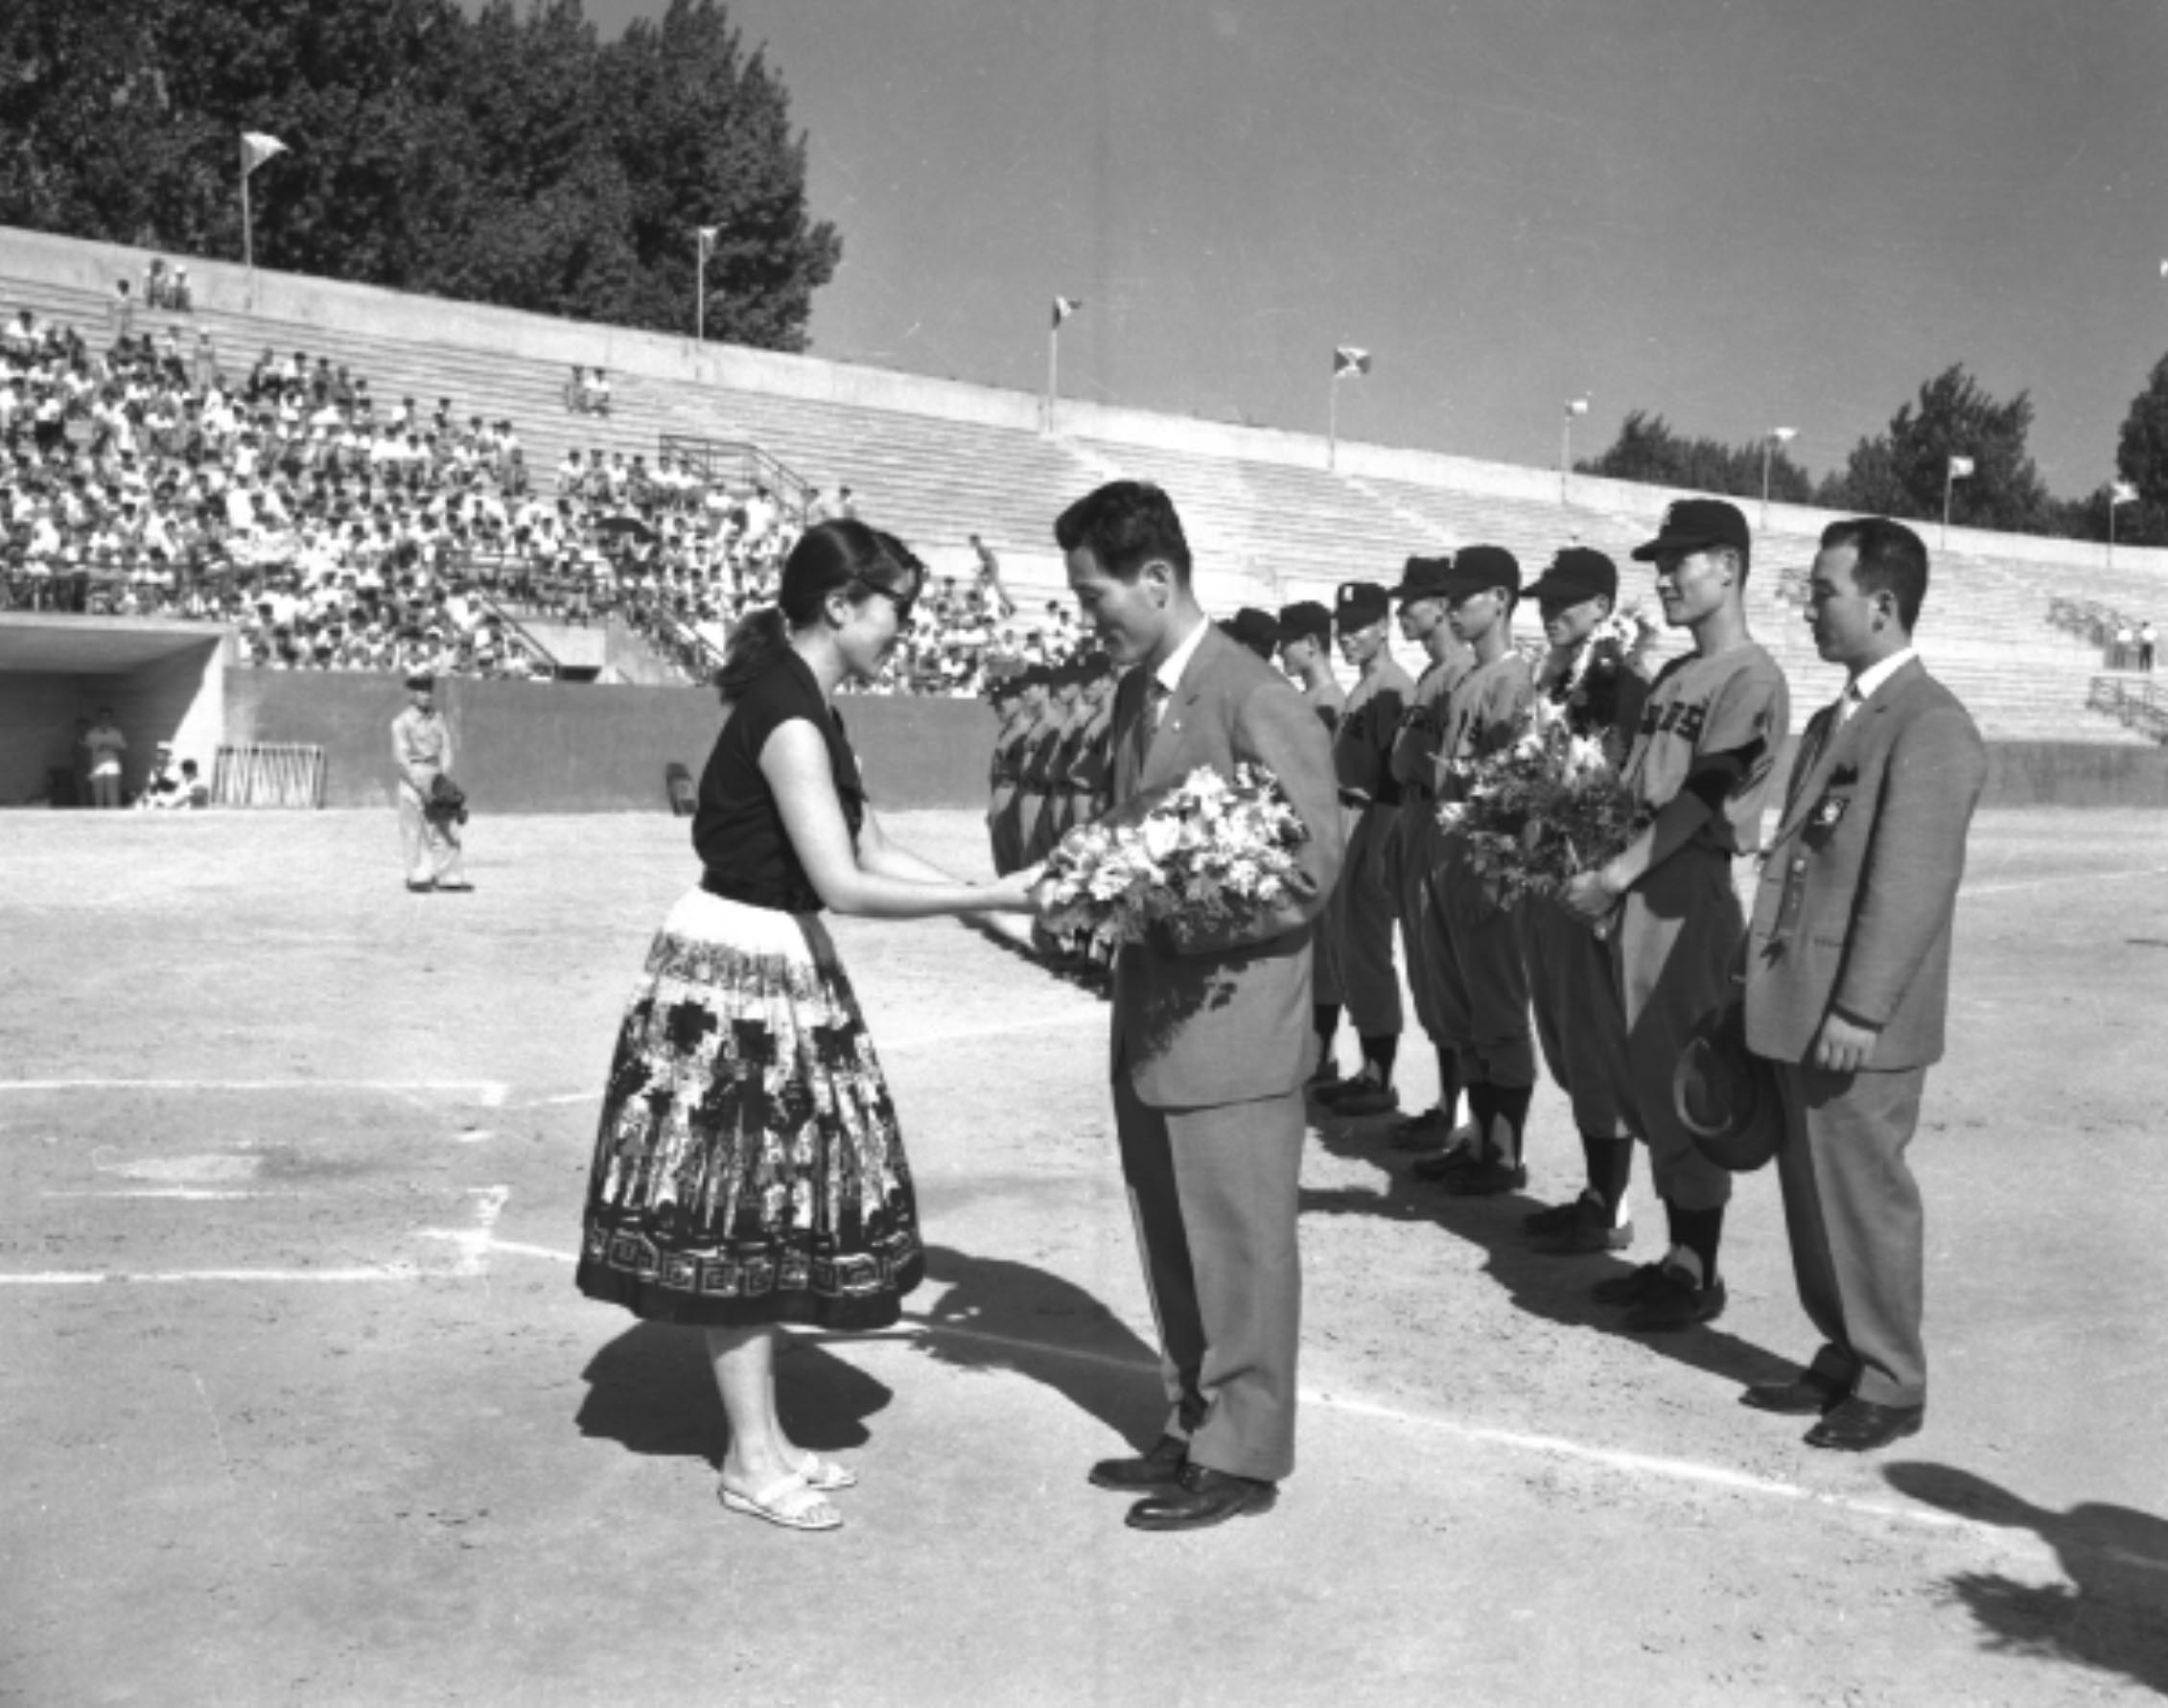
{"x": 748, "y": 1170}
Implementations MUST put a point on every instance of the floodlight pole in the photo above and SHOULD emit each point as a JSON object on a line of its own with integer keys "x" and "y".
{"x": 1775, "y": 435}
{"x": 247, "y": 227}
{"x": 1332, "y": 421}
{"x": 1053, "y": 372}
{"x": 700, "y": 294}
{"x": 1575, "y": 405}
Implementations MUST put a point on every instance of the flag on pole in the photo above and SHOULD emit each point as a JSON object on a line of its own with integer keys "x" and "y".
{"x": 256, "y": 148}
{"x": 708, "y": 236}
{"x": 1348, "y": 360}
{"x": 1960, "y": 467}
{"x": 2122, "y": 492}
{"x": 1065, "y": 307}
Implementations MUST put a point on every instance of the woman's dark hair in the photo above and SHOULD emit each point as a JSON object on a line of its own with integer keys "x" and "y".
{"x": 829, "y": 556}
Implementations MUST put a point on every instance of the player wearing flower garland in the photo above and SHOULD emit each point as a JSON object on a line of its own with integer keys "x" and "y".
{"x": 1416, "y": 850}
{"x": 1589, "y": 677}
{"x": 1702, "y": 760}
{"x": 1361, "y": 917}
{"x": 1484, "y": 985}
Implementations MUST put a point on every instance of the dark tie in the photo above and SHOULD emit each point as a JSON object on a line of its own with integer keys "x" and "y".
{"x": 1148, "y": 714}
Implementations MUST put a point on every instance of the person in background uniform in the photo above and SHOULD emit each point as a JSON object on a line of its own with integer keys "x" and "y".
{"x": 421, "y": 746}
{"x": 1024, "y": 805}
{"x": 1306, "y": 655}
{"x": 1258, "y": 630}
{"x": 1053, "y": 758}
{"x": 1701, "y": 763}
{"x": 1034, "y": 803}
{"x": 106, "y": 747}
{"x": 1484, "y": 985}
{"x": 1090, "y": 776}
{"x": 1007, "y": 694}
{"x": 1413, "y": 859}
{"x": 1361, "y": 917}
{"x": 1848, "y": 980}
{"x": 1208, "y": 1048}
{"x": 1579, "y": 1023}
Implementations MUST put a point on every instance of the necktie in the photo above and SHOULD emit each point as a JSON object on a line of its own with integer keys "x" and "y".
{"x": 1147, "y": 724}
{"x": 1848, "y": 702}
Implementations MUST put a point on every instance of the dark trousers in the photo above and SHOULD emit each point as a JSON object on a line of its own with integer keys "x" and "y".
{"x": 1857, "y": 1233}
{"x": 1212, "y": 1192}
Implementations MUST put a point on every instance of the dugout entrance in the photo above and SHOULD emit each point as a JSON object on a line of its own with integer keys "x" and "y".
{"x": 162, "y": 681}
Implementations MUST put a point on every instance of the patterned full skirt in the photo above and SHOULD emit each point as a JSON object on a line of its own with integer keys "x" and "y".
{"x": 748, "y": 1168}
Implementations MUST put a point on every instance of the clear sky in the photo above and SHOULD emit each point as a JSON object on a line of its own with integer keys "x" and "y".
{"x": 1737, "y": 213}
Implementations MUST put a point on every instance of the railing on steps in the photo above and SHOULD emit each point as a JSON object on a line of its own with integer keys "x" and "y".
{"x": 719, "y": 460}
{"x": 2136, "y": 705}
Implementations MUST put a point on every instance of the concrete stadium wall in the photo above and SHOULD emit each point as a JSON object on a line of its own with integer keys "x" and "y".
{"x": 550, "y": 747}
{"x": 461, "y": 325}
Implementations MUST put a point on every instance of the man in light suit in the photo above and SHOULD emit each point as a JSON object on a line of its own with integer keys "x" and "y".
{"x": 1847, "y": 979}
{"x": 1212, "y": 1034}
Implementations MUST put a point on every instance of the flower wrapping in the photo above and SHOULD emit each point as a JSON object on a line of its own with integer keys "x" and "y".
{"x": 1211, "y": 852}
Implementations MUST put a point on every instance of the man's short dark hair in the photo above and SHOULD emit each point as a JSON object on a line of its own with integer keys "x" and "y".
{"x": 1125, "y": 524}
{"x": 1891, "y": 559}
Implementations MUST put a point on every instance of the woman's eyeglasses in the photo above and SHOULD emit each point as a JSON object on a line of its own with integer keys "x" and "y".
{"x": 903, "y": 601}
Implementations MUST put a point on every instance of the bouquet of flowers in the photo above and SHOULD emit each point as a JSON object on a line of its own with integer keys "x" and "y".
{"x": 1208, "y": 852}
{"x": 1587, "y": 693}
{"x": 1536, "y": 811}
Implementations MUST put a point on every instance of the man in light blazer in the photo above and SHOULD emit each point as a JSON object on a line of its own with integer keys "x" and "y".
{"x": 1847, "y": 979}
{"x": 1212, "y": 1034}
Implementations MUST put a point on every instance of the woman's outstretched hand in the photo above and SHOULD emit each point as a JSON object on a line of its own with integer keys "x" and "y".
{"x": 1013, "y": 893}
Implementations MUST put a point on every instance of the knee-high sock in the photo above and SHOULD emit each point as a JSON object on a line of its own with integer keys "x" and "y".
{"x": 1699, "y": 1231}
{"x": 1610, "y": 1169}
{"x": 1378, "y": 1052}
{"x": 1448, "y": 1085}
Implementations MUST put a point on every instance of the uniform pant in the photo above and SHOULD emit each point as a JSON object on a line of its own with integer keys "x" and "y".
{"x": 104, "y": 789}
{"x": 1857, "y": 1234}
{"x": 1027, "y": 806}
{"x": 1578, "y": 1017}
{"x": 1673, "y": 943}
{"x": 1212, "y": 1192}
{"x": 1483, "y": 982}
{"x": 1360, "y": 919}
{"x": 1001, "y": 829}
{"x": 1417, "y": 852}
{"x": 432, "y": 847}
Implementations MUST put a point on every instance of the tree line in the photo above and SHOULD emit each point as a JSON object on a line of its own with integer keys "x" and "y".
{"x": 496, "y": 156}
{"x": 1901, "y": 471}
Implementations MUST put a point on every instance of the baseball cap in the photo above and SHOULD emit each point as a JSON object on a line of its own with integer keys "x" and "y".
{"x": 1424, "y": 578}
{"x": 1258, "y": 630}
{"x": 1358, "y": 605}
{"x": 1726, "y": 1095}
{"x": 1694, "y": 523}
{"x": 421, "y": 679}
{"x": 1474, "y": 568}
{"x": 1306, "y": 619}
{"x": 1577, "y": 573}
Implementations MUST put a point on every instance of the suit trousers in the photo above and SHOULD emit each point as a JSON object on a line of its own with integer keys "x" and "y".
{"x": 1672, "y": 947}
{"x": 432, "y": 849}
{"x": 1361, "y": 921}
{"x": 1578, "y": 1017}
{"x": 1212, "y": 1192}
{"x": 1857, "y": 1233}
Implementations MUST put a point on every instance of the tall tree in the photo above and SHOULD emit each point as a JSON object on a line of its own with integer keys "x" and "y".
{"x": 1647, "y": 450}
{"x": 1901, "y": 472}
{"x": 506, "y": 157}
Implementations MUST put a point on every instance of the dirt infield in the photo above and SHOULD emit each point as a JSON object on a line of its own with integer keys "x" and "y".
{"x": 302, "y": 1407}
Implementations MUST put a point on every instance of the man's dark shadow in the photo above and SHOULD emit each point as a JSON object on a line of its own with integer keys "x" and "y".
{"x": 1554, "y": 1288}
{"x": 1080, "y": 971}
{"x": 651, "y": 1390}
{"x": 2113, "y": 1615}
{"x": 996, "y": 1315}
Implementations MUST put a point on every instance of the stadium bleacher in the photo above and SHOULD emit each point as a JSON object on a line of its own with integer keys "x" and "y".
{"x": 1264, "y": 528}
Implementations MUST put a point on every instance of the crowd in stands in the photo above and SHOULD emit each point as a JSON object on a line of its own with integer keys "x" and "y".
{"x": 334, "y": 530}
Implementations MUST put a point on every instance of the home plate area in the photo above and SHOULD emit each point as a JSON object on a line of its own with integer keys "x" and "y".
{"x": 172, "y": 1183}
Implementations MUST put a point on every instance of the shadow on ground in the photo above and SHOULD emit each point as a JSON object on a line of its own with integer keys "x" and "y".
{"x": 998, "y": 1315}
{"x": 1554, "y": 1288}
{"x": 651, "y": 1390}
{"x": 2108, "y": 1616}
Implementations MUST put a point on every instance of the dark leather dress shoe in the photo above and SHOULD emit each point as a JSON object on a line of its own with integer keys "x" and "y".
{"x": 1205, "y": 1497}
{"x": 1161, "y": 1468}
{"x": 1804, "y": 1396}
{"x": 1860, "y": 1426}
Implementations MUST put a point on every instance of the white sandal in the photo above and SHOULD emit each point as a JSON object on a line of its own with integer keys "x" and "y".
{"x": 787, "y": 1501}
{"x": 824, "y": 1475}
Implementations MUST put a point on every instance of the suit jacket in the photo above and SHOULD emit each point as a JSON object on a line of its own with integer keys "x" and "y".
{"x": 1225, "y": 1017}
{"x": 1860, "y": 886}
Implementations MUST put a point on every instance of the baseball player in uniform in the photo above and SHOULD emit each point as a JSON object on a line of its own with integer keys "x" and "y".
{"x": 1483, "y": 985}
{"x": 1361, "y": 917}
{"x": 1306, "y": 656}
{"x": 1015, "y": 715}
{"x": 1579, "y": 1023}
{"x": 1029, "y": 797}
{"x": 1848, "y": 976}
{"x": 1258, "y": 630}
{"x": 1701, "y": 762}
{"x": 1424, "y": 593}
